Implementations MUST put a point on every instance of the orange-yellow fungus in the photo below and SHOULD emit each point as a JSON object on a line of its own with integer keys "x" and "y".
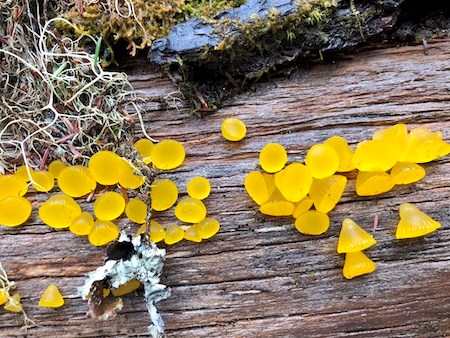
{"x": 256, "y": 186}
{"x": 43, "y": 181}
{"x": 190, "y": 210}
{"x": 270, "y": 183}
{"x": 12, "y": 185}
{"x": 344, "y": 152}
{"x": 136, "y": 210}
{"x": 396, "y": 136}
{"x": 370, "y": 183}
{"x": 191, "y": 234}
{"x": 4, "y": 296}
{"x": 272, "y": 157}
{"x": 208, "y": 227}
{"x": 164, "y": 194}
{"x": 174, "y": 234}
{"x": 56, "y": 167}
{"x": 294, "y": 182}
{"x": 51, "y": 297}
{"x": 59, "y": 211}
{"x": 425, "y": 146}
{"x": 312, "y": 222}
{"x": 302, "y": 206}
{"x": 322, "y": 160}
{"x": 168, "y": 154}
{"x": 233, "y": 129}
{"x": 109, "y": 206}
{"x": 353, "y": 238}
{"x": 375, "y": 155}
{"x": 407, "y": 172}
{"x": 82, "y": 224}
{"x": 76, "y": 181}
{"x": 104, "y": 167}
{"x": 14, "y": 304}
{"x": 198, "y": 187}
{"x": 103, "y": 232}
{"x": 22, "y": 173}
{"x": 128, "y": 287}
{"x": 357, "y": 264}
{"x": 157, "y": 232}
{"x": 129, "y": 177}
{"x": 327, "y": 192}
{"x": 14, "y": 211}
{"x": 144, "y": 147}
{"x": 414, "y": 223}
{"x": 277, "y": 206}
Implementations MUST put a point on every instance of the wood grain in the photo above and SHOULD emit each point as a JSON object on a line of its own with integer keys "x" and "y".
{"x": 259, "y": 277}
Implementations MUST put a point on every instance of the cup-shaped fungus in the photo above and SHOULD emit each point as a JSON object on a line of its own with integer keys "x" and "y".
{"x": 396, "y": 136}
{"x": 51, "y": 297}
{"x": 370, "y": 183}
{"x": 144, "y": 147}
{"x": 406, "y": 173}
{"x": 312, "y": 222}
{"x": 190, "y": 210}
{"x": 103, "y": 232}
{"x": 233, "y": 129}
{"x": 414, "y": 223}
{"x": 13, "y": 304}
{"x": 136, "y": 210}
{"x": 208, "y": 227}
{"x": 357, "y": 264}
{"x": 14, "y": 211}
{"x": 302, "y": 206}
{"x": 59, "y": 211}
{"x": 43, "y": 181}
{"x": 272, "y": 157}
{"x": 24, "y": 173}
{"x": 353, "y": 238}
{"x": 126, "y": 288}
{"x": 55, "y": 167}
{"x": 375, "y": 155}
{"x": 129, "y": 177}
{"x": 344, "y": 152}
{"x": 277, "y": 205}
{"x": 327, "y": 192}
{"x": 425, "y": 146}
{"x": 76, "y": 181}
{"x": 4, "y": 295}
{"x": 174, "y": 234}
{"x": 163, "y": 194}
{"x": 198, "y": 187}
{"x": 12, "y": 185}
{"x": 82, "y": 224}
{"x": 157, "y": 232}
{"x": 322, "y": 160}
{"x": 109, "y": 206}
{"x": 294, "y": 181}
{"x": 191, "y": 234}
{"x": 168, "y": 154}
{"x": 104, "y": 167}
{"x": 256, "y": 187}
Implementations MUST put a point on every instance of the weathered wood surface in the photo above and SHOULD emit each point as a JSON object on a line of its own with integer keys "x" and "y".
{"x": 259, "y": 277}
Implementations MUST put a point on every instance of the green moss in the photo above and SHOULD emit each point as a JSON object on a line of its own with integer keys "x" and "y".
{"x": 138, "y": 22}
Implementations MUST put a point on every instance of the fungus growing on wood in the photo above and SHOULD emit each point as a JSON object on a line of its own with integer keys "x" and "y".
{"x": 144, "y": 147}
{"x": 174, "y": 234}
{"x": 168, "y": 154}
{"x": 198, "y": 187}
{"x": 14, "y": 211}
{"x": 163, "y": 194}
{"x": 12, "y": 185}
{"x": 294, "y": 181}
{"x": 82, "y": 224}
{"x": 371, "y": 183}
{"x": 327, "y": 192}
{"x": 136, "y": 210}
{"x": 51, "y": 297}
{"x": 103, "y": 232}
{"x": 272, "y": 157}
{"x": 357, "y": 264}
{"x": 190, "y": 210}
{"x": 76, "y": 181}
{"x": 104, "y": 167}
{"x": 344, "y": 152}
{"x": 59, "y": 211}
{"x": 109, "y": 206}
{"x": 233, "y": 129}
{"x": 43, "y": 181}
{"x": 312, "y": 222}
{"x": 353, "y": 238}
{"x": 414, "y": 223}
{"x": 407, "y": 173}
{"x": 322, "y": 160}
{"x": 207, "y": 228}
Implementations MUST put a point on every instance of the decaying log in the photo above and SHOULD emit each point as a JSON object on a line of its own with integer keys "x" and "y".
{"x": 259, "y": 277}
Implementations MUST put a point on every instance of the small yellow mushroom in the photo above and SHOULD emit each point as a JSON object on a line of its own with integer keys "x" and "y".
{"x": 168, "y": 154}
{"x": 353, "y": 238}
{"x": 414, "y": 223}
{"x": 51, "y": 297}
{"x": 357, "y": 264}
{"x": 233, "y": 129}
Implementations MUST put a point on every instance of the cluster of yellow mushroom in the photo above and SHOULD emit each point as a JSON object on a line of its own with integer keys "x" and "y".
{"x": 293, "y": 189}
{"x": 190, "y": 210}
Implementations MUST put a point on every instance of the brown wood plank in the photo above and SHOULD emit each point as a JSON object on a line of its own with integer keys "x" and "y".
{"x": 259, "y": 277}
